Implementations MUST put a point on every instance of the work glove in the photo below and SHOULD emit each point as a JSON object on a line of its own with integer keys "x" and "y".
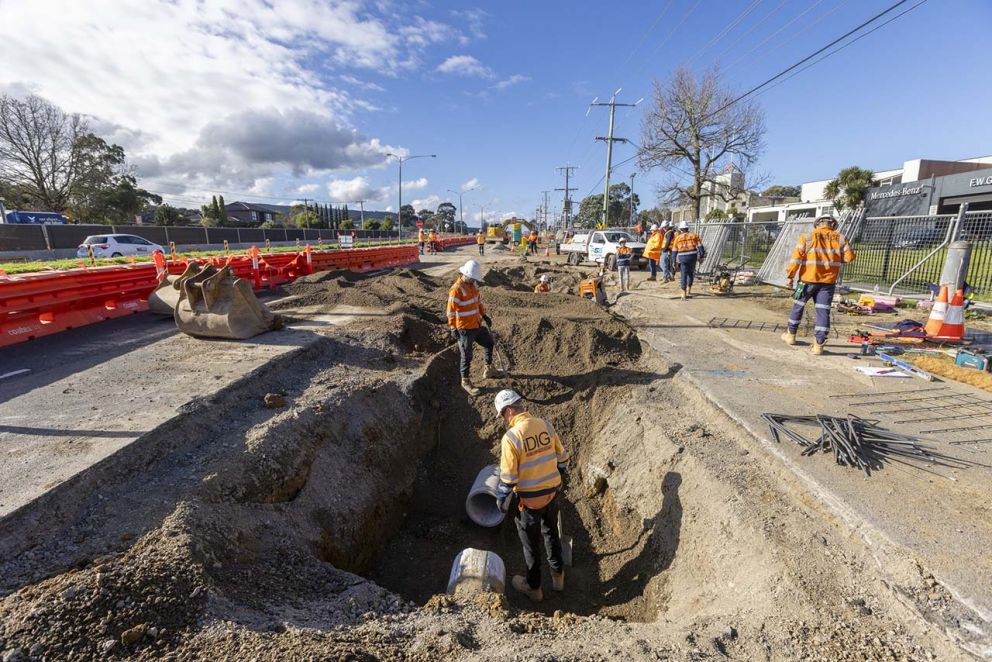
{"x": 503, "y": 503}
{"x": 488, "y": 320}
{"x": 563, "y": 472}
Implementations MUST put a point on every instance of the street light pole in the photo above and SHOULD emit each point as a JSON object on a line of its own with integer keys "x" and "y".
{"x": 632, "y": 175}
{"x": 461, "y": 210}
{"x": 401, "y": 159}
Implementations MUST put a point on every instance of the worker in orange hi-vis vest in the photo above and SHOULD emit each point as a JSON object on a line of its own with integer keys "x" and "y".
{"x": 816, "y": 260}
{"x": 480, "y": 239}
{"x": 687, "y": 249}
{"x": 466, "y": 315}
{"x": 432, "y": 240}
{"x": 543, "y": 285}
{"x": 421, "y": 239}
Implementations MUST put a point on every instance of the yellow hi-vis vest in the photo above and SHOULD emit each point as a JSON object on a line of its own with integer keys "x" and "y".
{"x": 819, "y": 259}
{"x": 530, "y": 453}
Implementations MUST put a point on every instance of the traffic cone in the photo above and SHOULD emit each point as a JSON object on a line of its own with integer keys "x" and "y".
{"x": 547, "y": 250}
{"x": 937, "y": 313}
{"x": 953, "y": 327}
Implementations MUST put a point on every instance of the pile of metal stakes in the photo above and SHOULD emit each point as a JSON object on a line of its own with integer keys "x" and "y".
{"x": 861, "y": 444}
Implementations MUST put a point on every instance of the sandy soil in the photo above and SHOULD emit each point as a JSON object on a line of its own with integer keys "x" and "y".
{"x": 322, "y": 525}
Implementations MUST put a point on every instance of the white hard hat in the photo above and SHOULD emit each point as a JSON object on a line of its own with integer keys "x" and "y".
{"x": 544, "y": 278}
{"x": 504, "y": 399}
{"x": 654, "y": 226}
{"x": 683, "y": 225}
{"x": 665, "y": 224}
{"x": 472, "y": 269}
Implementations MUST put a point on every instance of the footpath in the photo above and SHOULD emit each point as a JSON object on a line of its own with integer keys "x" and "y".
{"x": 929, "y": 534}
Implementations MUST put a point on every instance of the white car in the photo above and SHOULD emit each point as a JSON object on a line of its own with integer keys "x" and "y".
{"x": 600, "y": 246}
{"x": 116, "y": 245}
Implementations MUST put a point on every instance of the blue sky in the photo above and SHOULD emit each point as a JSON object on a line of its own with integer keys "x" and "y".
{"x": 306, "y": 98}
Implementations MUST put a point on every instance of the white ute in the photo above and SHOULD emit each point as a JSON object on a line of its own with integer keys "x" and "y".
{"x": 600, "y": 246}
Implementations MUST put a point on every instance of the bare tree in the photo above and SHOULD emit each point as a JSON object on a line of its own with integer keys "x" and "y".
{"x": 695, "y": 130}
{"x": 39, "y": 150}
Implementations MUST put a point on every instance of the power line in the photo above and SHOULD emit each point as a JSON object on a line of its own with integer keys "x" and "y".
{"x": 794, "y": 35}
{"x": 809, "y": 57}
{"x": 752, "y": 29}
{"x": 726, "y": 30}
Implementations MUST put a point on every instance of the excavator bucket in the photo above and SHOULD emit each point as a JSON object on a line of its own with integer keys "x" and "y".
{"x": 163, "y": 299}
{"x": 215, "y": 304}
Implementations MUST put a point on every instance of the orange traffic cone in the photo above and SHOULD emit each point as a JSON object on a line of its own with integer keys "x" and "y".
{"x": 547, "y": 250}
{"x": 937, "y": 313}
{"x": 953, "y": 328}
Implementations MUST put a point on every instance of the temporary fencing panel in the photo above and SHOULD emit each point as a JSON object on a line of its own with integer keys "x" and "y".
{"x": 153, "y": 233}
{"x": 70, "y": 236}
{"x": 773, "y": 269}
{"x": 186, "y": 235}
{"x": 16, "y": 237}
{"x": 220, "y": 235}
{"x": 713, "y": 236}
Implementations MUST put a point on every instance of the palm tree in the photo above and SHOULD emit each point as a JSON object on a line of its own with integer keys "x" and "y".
{"x": 849, "y": 189}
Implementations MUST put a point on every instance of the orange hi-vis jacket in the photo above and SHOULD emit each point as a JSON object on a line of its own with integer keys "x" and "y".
{"x": 686, "y": 243}
{"x": 666, "y": 245}
{"x": 819, "y": 258}
{"x": 465, "y": 309}
{"x": 652, "y": 250}
{"x": 432, "y": 236}
{"x": 480, "y": 239}
{"x": 542, "y": 288}
{"x": 421, "y": 237}
{"x": 529, "y": 457}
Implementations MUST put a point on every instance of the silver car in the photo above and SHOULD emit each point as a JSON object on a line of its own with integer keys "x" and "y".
{"x": 116, "y": 245}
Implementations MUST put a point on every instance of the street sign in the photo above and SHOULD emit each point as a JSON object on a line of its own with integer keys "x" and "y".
{"x": 420, "y": 224}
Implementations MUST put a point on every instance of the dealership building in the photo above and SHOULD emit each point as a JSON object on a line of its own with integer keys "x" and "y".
{"x": 921, "y": 187}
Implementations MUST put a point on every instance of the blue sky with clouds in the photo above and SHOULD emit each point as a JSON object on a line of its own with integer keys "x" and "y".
{"x": 275, "y": 101}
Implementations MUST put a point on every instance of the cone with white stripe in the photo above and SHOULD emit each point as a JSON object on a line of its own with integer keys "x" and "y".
{"x": 953, "y": 326}
{"x": 937, "y": 313}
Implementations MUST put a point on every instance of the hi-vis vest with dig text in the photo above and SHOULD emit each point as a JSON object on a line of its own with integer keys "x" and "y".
{"x": 530, "y": 453}
{"x": 819, "y": 258}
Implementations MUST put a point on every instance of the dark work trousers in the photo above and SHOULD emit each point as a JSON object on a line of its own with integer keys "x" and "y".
{"x": 822, "y": 295}
{"x": 653, "y": 266}
{"x": 467, "y": 339}
{"x": 482, "y": 249}
{"x": 687, "y": 270}
{"x": 421, "y": 247}
{"x": 666, "y": 264}
{"x": 532, "y": 525}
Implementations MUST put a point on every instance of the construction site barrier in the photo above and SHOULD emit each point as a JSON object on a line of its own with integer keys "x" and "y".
{"x": 43, "y": 303}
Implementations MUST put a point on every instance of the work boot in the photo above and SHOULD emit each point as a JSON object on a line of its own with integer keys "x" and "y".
{"x": 652, "y": 278}
{"x": 469, "y": 388}
{"x": 789, "y": 338}
{"x": 817, "y": 348}
{"x": 490, "y": 372}
{"x": 558, "y": 580}
{"x": 535, "y": 594}
{"x": 683, "y": 295}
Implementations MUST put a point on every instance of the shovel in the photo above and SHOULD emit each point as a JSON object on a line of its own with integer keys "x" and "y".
{"x": 501, "y": 363}
{"x": 566, "y": 544}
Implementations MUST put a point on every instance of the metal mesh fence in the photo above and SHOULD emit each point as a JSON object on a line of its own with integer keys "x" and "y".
{"x": 738, "y": 244}
{"x": 889, "y": 247}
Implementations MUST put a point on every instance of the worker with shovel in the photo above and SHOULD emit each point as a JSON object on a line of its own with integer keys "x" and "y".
{"x": 817, "y": 261}
{"x": 532, "y": 466}
{"x": 465, "y": 317}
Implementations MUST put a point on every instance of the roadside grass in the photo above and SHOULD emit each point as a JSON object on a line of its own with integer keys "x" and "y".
{"x": 12, "y": 268}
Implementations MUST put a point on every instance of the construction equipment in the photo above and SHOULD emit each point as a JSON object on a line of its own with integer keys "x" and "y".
{"x": 592, "y": 288}
{"x": 214, "y": 304}
{"x": 163, "y": 299}
{"x": 909, "y": 367}
{"x": 967, "y": 358}
{"x": 722, "y": 281}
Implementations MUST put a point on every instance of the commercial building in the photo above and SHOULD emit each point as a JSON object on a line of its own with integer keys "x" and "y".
{"x": 920, "y": 187}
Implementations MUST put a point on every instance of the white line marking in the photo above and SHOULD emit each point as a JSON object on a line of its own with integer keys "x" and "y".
{"x": 15, "y": 373}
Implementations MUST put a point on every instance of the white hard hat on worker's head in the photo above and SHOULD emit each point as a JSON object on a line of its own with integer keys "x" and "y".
{"x": 471, "y": 269}
{"x": 654, "y": 226}
{"x": 504, "y": 399}
{"x": 544, "y": 278}
{"x": 826, "y": 218}
{"x": 684, "y": 225}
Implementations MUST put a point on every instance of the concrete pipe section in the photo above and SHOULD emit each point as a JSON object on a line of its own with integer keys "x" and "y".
{"x": 476, "y": 571}
{"x": 481, "y": 502}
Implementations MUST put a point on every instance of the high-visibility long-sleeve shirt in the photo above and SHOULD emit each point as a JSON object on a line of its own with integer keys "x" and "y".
{"x": 421, "y": 237}
{"x": 480, "y": 239}
{"x": 432, "y": 236}
{"x": 542, "y": 288}
{"x": 531, "y": 455}
{"x": 666, "y": 244}
{"x": 686, "y": 244}
{"x": 652, "y": 250}
{"x": 465, "y": 309}
{"x": 819, "y": 256}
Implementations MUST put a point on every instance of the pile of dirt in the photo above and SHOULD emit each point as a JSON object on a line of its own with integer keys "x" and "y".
{"x": 326, "y": 528}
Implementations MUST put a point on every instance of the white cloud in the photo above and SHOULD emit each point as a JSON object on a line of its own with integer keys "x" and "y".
{"x": 465, "y": 65}
{"x": 415, "y": 184}
{"x": 191, "y": 88}
{"x": 307, "y": 188}
{"x": 430, "y": 202}
{"x": 511, "y": 81}
{"x": 472, "y": 183}
{"x": 475, "y": 18}
{"x": 355, "y": 189}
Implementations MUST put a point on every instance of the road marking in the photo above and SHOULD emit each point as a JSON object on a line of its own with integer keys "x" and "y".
{"x": 15, "y": 373}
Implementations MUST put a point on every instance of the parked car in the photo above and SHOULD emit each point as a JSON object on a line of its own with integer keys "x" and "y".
{"x": 117, "y": 245}
{"x": 600, "y": 246}
{"x": 917, "y": 238}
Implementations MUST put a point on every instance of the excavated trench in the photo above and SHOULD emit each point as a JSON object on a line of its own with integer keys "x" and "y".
{"x": 268, "y": 519}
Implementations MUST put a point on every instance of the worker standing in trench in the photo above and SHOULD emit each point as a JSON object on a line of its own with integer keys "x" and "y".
{"x": 532, "y": 465}
{"x": 817, "y": 262}
{"x": 465, "y": 317}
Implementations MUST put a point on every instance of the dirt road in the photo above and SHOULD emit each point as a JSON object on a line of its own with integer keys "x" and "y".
{"x": 325, "y": 528}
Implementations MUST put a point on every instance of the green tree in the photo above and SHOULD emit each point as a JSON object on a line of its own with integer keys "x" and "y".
{"x": 210, "y": 213}
{"x": 591, "y": 208}
{"x": 716, "y": 215}
{"x": 780, "y": 191}
{"x": 387, "y": 223}
{"x": 447, "y": 211}
{"x": 848, "y": 190}
{"x": 346, "y": 224}
{"x": 345, "y": 213}
{"x": 167, "y": 215}
{"x": 306, "y": 218}
{"x": 222, "y": 211}
{"x": 371, "y": 224}
{"x": 407, "y": 216}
